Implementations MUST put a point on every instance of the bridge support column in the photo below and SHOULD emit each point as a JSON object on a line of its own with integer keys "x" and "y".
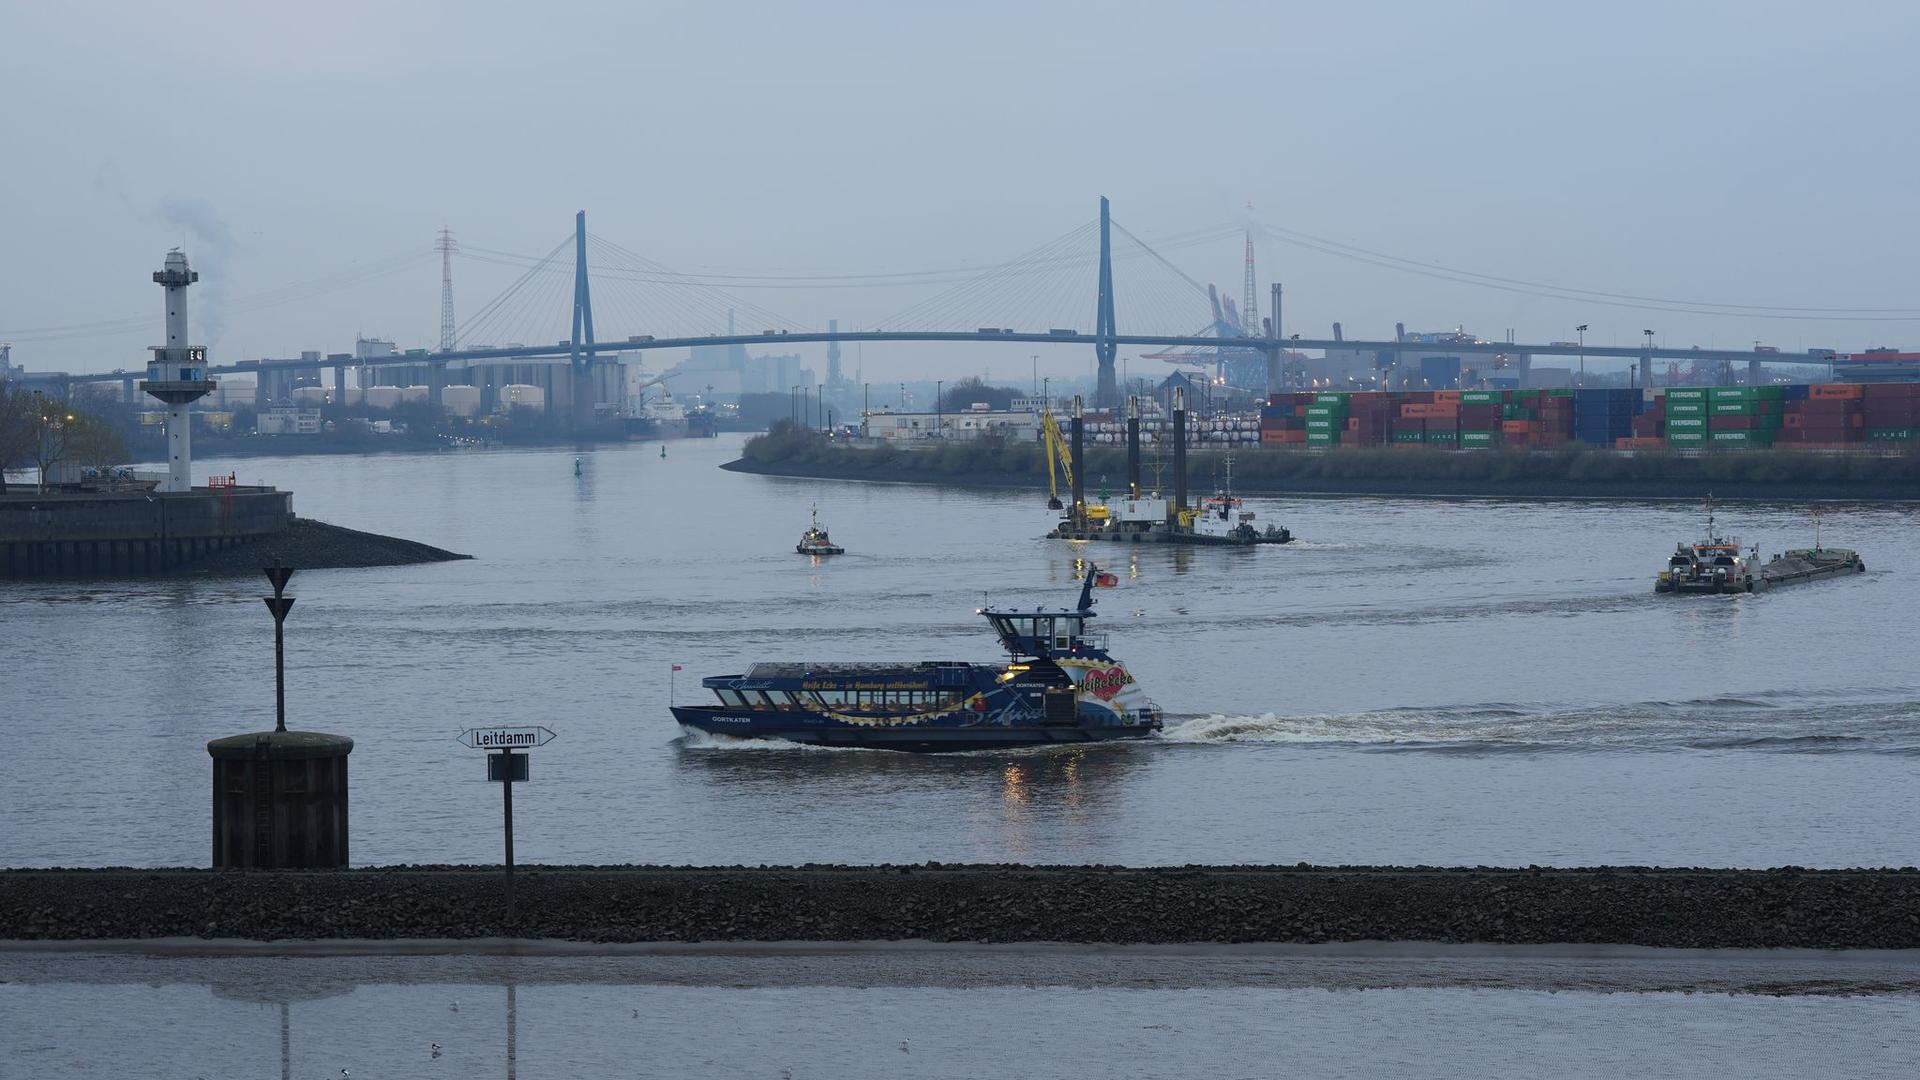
{"x": 1754, "y": 375}
{"x": 126, "y": 390}
{"x": 339, "y": 385}
{"x": 1107, "y": 387}
{"x": 1646, "y": 371}
{"x": 582, "y": 360}
{"x": 436, "y": 385}
{"x": 1273, "y": 354}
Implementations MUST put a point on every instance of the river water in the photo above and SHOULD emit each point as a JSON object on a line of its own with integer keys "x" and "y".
{"x": 1414, "y": 681}
{"x": 959, "y": 1012}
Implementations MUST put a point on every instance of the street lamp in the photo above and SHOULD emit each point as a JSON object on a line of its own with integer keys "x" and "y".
{"x": 1647, "y": 357}
{"x": 1582, "y": 331}
{"x": 939, "y": 408}
{"x": 820, "y": 403}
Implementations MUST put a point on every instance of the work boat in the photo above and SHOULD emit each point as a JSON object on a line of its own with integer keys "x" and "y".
{"x": 1059, "y": 685}
{"x": 815, "y": 540}
{"x": 1715, "y": 564}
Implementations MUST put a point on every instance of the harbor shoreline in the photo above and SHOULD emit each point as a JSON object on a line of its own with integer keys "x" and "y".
{"x": 1384, "y": 487}
{"x": 1656, "y": 907}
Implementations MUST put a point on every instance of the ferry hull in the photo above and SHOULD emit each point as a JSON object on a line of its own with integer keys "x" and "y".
{"x": 916, "y": 738}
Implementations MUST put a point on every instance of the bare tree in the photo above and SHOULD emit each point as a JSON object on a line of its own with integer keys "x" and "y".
{"x": 93, "y": 442}
{"x": 17, "y": 425}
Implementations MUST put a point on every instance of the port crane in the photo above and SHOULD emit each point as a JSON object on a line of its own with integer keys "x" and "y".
{"x": 1059, "y": 460}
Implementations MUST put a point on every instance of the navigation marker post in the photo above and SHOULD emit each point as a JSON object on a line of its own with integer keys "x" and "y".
{"x": 506, "y": 768}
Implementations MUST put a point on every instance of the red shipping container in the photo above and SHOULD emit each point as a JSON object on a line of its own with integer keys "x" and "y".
{"x": 1829, "y": 406}
{"x": 1833, "y": 391}
{"x": 1730, "y": 423}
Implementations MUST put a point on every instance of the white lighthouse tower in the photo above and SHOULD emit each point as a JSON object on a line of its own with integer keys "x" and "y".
{"x": 177, "y": 374}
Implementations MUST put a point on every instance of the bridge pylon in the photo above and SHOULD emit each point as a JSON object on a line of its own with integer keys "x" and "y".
{"x": 1106, "y": 393}
{"x": 581, "y": 384}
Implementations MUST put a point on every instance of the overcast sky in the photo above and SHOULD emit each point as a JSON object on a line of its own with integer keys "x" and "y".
{"x": 1740, "y": 153}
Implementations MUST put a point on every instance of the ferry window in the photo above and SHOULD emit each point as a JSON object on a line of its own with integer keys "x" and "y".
{"x": 756, "y": 699}
{"x": 731, "y": 699}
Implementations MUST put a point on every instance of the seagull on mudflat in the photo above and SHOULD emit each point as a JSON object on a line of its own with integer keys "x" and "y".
{"x": 435, "y": 1047}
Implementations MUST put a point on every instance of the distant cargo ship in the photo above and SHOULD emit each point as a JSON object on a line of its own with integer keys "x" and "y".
{"x": 1059, "y": 686}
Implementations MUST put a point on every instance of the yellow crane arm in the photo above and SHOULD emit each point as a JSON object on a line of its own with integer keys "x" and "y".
{"x": 1058, "y": 459}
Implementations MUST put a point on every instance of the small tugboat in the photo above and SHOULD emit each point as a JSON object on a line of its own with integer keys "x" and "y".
{"x": 1719, "y": 565}
{"x": 1059, "y": 686}
{"x": 815, "y": 540}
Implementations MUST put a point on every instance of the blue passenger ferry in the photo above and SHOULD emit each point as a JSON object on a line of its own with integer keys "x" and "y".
{"x": 1058, "y": 686}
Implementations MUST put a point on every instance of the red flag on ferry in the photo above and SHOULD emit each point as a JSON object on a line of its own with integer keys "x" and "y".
{"x": 676, "y": 667}
{"x": 1106, "y": 580}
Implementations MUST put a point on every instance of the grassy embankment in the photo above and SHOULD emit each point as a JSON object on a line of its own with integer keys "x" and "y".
{"x": 1775, "y": 473}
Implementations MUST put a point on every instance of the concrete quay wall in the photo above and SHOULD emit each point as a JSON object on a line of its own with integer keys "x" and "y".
{"x": 128, "y": 533}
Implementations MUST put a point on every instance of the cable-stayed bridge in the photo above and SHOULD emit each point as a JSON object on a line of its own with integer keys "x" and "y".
{"x": 1096, "y": 286}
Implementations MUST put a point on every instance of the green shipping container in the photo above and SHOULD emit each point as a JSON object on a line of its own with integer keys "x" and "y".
{"x": 1322, "y": 438}
{"x": 1324, "y": 423}
{"x": 1741, "y": 438}
{"x": 1516, "y": 412}
{"x": 1891, "y": 434}
{"x": 1327, "y": 410}
{"x": 1747, "y": 393}
{"x": 1479, "y": 438}
{"x": 1751, "y": 407}
{"x": 1410, "y": 436}
{"x": 1686, "y": 423}
{"x": 1686, "y": 408}
{"x": 1686, "y": 393}
{"x": 1329, "y": 399}
{"x": 1564, "y": 391}
{"x": 1445, "y": 435}
{"x": 1482, "y": 397}
{"x": 1686, "y": 438}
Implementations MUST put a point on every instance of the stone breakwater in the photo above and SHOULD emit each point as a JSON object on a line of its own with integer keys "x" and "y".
{"x": 317, "y": 545}
{"x": 1676, "y": 908}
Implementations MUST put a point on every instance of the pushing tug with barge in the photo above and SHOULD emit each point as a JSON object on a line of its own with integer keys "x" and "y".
{"x": 1718, "y": 564}
{"x": 1141, "y": 518}
{"x": 1059, "y": 686}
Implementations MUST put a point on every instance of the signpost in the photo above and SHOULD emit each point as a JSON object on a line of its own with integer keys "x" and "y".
{"x": 506, "y": 768}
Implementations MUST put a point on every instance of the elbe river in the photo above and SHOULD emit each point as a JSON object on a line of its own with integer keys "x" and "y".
{"x": 1415, "y": 681}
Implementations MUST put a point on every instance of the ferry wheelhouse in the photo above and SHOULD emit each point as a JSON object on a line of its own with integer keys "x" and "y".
{"x": 1059, "y": 685}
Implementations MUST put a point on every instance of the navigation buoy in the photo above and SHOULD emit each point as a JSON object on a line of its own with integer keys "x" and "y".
{"x": 576, "y": 466}
{"x": 663, "y": 449}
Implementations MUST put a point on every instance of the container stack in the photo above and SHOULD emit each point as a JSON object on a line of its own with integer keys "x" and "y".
{"x": 1686, "y": 411}
{"x": 1283, "y": 420}
{"x": 1481, "y": 414}
{"x": 1326, "y": 419}
{"x": 1740, "y": 417}
{"x": 1604, "y": 415}
{"x": 1890, "y": 412}
{"x": 1370, "y": 419}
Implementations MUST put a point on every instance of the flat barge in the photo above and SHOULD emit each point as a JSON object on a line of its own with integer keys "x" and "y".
{"x": 1142, "y": 518}
{"x": 1718, "y": 564}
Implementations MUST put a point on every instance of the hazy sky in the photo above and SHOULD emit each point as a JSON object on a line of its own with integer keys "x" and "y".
{"x": 1735, "y": 153}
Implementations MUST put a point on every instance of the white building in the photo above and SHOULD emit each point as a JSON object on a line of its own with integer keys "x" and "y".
{"x": 286, "y": 421}
{"x": 907, "y": 428}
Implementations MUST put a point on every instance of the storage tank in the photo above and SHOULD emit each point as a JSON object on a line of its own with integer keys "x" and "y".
{"x": 311, "y": 397}
{"x": 461, "y": 400}
{"x": 383, "y": 397}
{"x": 523, "y": 395}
